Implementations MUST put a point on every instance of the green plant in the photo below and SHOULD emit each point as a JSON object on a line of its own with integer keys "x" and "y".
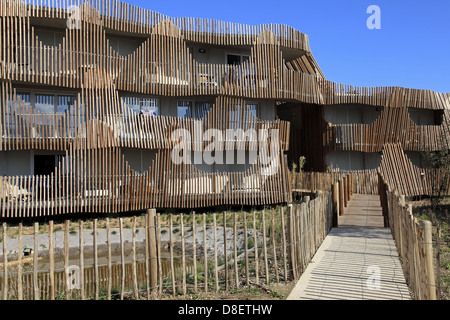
{"x": 330, "y": 168}
{"x": 250, "y": 243}
{"x": 275, "y": 294}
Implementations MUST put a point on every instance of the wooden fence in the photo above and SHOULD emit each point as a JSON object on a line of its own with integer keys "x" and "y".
{"x": 100, "y": 180}
{"x": 414, "y": 244}
{"x": 154, "y": 255}
{"x": 363, "y": 181}
{"x": 396, "y": 168}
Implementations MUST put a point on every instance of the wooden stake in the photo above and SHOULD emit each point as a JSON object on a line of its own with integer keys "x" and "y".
{"x": 216, "y": 271}
{"x": 51, "y": 258}
{"x": 183, "y": 254}
{"x": 66, "y": 258}
{"x": 151, "y": 213}
{"x": 225, "y": 248}
{"x": 122, "y": 259}
{"x": 5, "y": 264}
{"x": 172, "y": 268}
{"x": 428, "y": 249}
{"x": 108, "y": 240}
{"x": 135, "y": 284}
{"x": 19, "y": 266}
{"x": 96, "y": 280}
{"x": 81, "y": 236}
{"x": 266, "y": 263}
{"x": 36, "y": 262}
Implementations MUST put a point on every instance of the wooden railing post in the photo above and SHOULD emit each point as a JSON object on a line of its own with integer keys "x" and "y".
{"x": 36, "y": 292}
{"x": 5, "y": 264}
{"x": 438, "y": 263}
{"x": 428, "y": 250}
{"x": 290, "y": 230}
{"x": 151, "y": 213}
{"x": 335, "y": 208}
{"x": 341, "y": 197}
{"x": 51, "y": 260}
{"x": 351, "y": 184}
{"x": 347, "y": 190}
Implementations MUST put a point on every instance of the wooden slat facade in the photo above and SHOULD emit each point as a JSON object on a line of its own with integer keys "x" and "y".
{"x": 94, "y": 175}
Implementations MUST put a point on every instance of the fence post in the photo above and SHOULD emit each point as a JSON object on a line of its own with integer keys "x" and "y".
{"x": 346, "y": 191}
{"x": 290, "y": 229}
{"x": 5, "y": 265}
{"x": 438, "y": 263}
{"x": 81, "y": 258}
{"x": 66, "y": 259}
{"x": 36, "y": 292}
{"x": 428, "y": 249}
{"x": 152, "y": 250}
{"x": 383, "y": 199}
{"x": 95, "y": 251}
{"x": 51, "y": 260}
{"x": 19, "y": 266}
{"x": 411, "y": 248}
{"x": 335, "y": 205}
{"x": 351, "y": 184}
{"x": 341, "y": 197}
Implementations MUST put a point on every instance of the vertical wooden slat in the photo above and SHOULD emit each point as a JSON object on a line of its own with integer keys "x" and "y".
{"x": 122, "y": 259}
{"x": 81, "y": 258}
{"x": 20, "y": 294}
{"x": 96, "y": 272}
{"x": 36, "y": 293}
{"x": 108, "y": 241}
{"x": 51, "y": 260}
{"x": 5, "y": 263}
{"x": 135, "y": 283}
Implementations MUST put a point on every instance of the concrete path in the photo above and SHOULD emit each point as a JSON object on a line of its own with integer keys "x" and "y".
{"x": 357, "y": 261}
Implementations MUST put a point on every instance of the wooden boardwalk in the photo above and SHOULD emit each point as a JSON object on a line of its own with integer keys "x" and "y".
{"x": 357, "y": 261}
{"x": 362, "y": 211}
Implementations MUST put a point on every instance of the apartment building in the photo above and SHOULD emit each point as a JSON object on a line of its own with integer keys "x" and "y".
{"x": 96, "y": 99}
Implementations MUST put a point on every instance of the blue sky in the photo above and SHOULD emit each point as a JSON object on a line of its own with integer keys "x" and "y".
{"x": 412, "y": 48}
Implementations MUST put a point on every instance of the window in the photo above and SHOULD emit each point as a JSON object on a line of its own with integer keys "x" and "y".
{"x": 50, "y": 37}
{"x": 184, "y": 109}
{"x": 253, "y": 107}
{"x": 149, "y": 107}
{"x": 236, "y": 59}
{"x": 50, "y": 103}
{"x": 344, "y": 114}
{"x": 123, "y": 46}
{"x": 45, "y": 103}
{"x": 65, "y": 103}
{"x": 201, "y": 109}
{"x": 24, "y": 97}
{"x": 193, "y": 109}
{"x": 424, "y": 117}
{"x": 145, "y": 106}
{"x": 238, "y": 114}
